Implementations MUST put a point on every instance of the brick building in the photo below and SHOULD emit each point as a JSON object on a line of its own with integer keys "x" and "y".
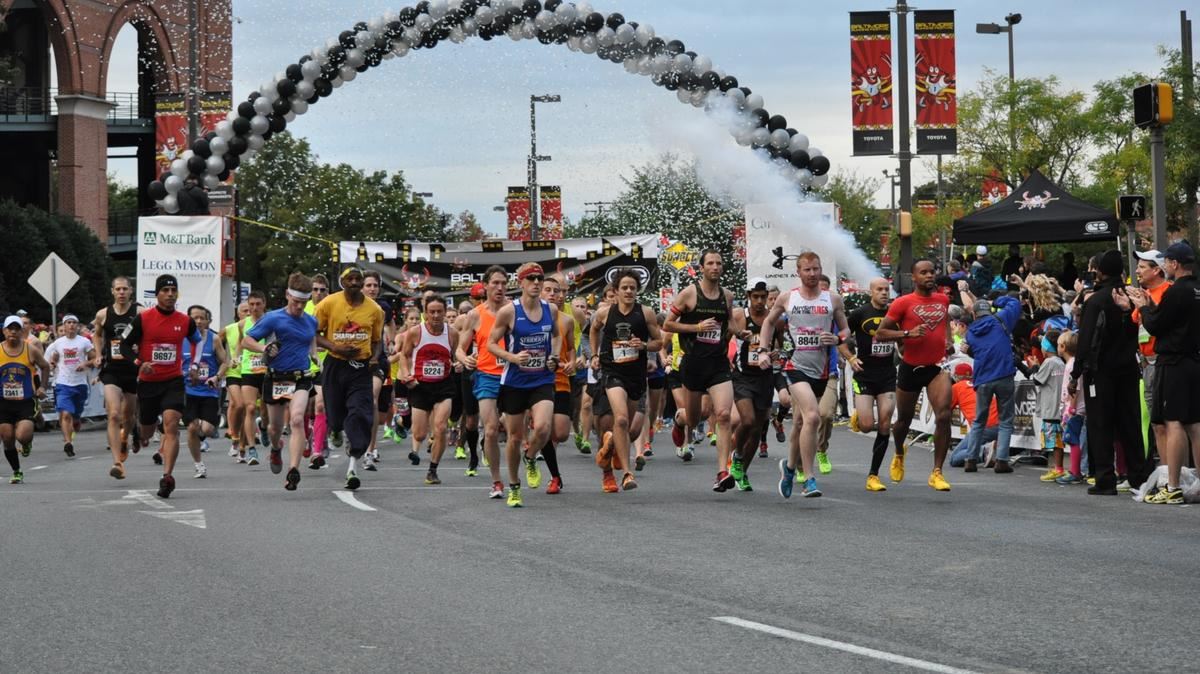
{"x": 55, "y": 141}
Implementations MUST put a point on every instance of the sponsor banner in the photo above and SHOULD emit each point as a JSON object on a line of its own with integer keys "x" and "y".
{"x": 170, "y": 130}
{"x": 552, "y": 216}
{"x": 871, "y": 82}
{"x": 518, "y": 213}
{"x": 409, "y": 269}
{"x": 994, "y": 191}
{"x": 937, "y": 94}
{"x": 187, "y": 247}
{"x": 665, "y": 297}
{"x": 774, "y": 241}
{"x": 1027, "y": 425}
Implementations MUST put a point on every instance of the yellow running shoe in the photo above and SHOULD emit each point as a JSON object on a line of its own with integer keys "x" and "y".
{"x": 533, "y": 476}
{"x": 937, "y": 481}
{"x": 1052, "y": 475}
{"x": 897, "y": 471}
{"x": 874, "y": 483}
{"x": 854, "y": 422}
{"x": 514, "y": 496}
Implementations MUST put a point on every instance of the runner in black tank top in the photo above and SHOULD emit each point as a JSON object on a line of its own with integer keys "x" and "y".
{"x": 753, "y": 385}
{"x": 118, "y": 373}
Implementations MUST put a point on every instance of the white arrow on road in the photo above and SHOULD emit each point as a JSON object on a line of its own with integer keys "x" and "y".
{"x": 192, "y": 518}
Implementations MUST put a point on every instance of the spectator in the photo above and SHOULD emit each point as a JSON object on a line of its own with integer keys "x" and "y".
{"x": 1153, "y": 281}
{"x": 1069, "y": 273}
{"x": 1014, "y": 262}
{"x": 956, "y": 271}
{"x": 963, "y": 398}
{"x": 989, "y": 339}
{"x": 981, "y": 273}
{"x": 1073, "y": 409}
{"x": 1048, "y": 379}
{"x": 1106, "y": 368}
{"x": 193, "y": 198}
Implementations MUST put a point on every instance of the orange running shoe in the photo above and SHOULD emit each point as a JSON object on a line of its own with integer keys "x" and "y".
{"x": 609, "y": 482}
{"x": 604, "y": 455}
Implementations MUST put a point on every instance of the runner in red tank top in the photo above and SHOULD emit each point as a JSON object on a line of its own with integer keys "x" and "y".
{"x": 425, "y": 370}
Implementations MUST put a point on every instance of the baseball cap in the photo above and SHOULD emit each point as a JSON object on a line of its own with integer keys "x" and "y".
{"x": 981, "y": 250}
{"x": 13, "y": 320}
{"x": 478, "y": 290}
{"x": 982, "y": 308}
{"x": 758, "y": 284}
{"x": 21, "y": 313}
{"x": 963, "y": 369}
{"x": 1151, "y": 255}
{"x": 70, "y": 318}
{"x": 1180, "y": 252}
{"x": 165, "y": 281}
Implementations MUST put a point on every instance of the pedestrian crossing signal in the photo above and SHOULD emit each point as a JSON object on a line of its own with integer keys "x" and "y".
{"x": 1153, "y": 105}
{"x": 1131, "y": 207}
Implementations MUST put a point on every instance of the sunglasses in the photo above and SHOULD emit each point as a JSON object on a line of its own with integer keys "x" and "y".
{"x": 535, "y": 277}
{"x": 319, "y": 289}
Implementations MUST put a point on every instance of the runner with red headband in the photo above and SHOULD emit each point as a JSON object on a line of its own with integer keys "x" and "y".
{"x": 486, "y": 382}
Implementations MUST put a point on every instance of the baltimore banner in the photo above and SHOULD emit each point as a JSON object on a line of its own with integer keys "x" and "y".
{"x": 937, "y": 97}
{"x": 409, "y": 269}
{"x": 871, "y": 82}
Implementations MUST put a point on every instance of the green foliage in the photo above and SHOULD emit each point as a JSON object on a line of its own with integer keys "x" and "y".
{"x": 39, "y": 234}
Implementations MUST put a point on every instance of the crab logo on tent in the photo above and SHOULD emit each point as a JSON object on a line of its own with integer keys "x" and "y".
{"x": 1096, "y": 227}
{"x": 1035, "y": 201}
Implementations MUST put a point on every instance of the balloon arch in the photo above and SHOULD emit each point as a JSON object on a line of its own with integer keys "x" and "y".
{"x": 668, "y": 64}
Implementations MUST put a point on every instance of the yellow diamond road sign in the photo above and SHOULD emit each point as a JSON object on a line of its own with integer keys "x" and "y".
{"x": 678, "y": 255}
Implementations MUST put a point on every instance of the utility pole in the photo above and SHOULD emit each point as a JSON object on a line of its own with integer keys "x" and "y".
{"x": 1187, "y": 101}
{"x": 903, "y": 273}
{"x": 193, "y": 95}
{"x": 535, "y": 201}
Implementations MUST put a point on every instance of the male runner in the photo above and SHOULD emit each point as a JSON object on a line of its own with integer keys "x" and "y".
{"x": 118, "y": 375}
{"x": 202, "y": 408}
{"x": 289, "y": 355}
{"x": 874, "y": 365}
{"x": 624, "y": 332}
{"x": 753, "y": 385}
{"x": 253, "y": 367}
{"x": 476, "y": 331}
{"x": 524, "y": 337}
{"x": 381, "y": 385}
{"x": 156, "y": 336}
{"x": 235, "y": 412}
{"x": 553, "y": 291}
{"x": 350, "y": 328}
{"x": 468, "y": 428}
{"x": 810, "y": 313}
{"x": 18, "y": 392}
{"x": 919, "y": 321}
{"x": 71, "y": 356}
{"x": 320, "y": 424}
{"x": 425, "y": 369}
{"x": 702, "y": 315}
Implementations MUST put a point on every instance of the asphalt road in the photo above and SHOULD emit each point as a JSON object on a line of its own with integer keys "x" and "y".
{"x": 232, "y": 573}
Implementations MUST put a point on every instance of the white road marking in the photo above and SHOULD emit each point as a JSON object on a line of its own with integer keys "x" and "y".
{"x": 144, "y": 498}
{"x": 885, "y": 656}
{"x": 192, "y": 518}
{"x": 86, "y": 458}
{"x": 348, "y": 498}
{"x": 37, "y": 468}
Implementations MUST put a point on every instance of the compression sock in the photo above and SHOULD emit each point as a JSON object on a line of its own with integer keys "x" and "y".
{"x": 14, "y": 459}
{"x": 550, "y": 453}
{"x": 878, "y": 450}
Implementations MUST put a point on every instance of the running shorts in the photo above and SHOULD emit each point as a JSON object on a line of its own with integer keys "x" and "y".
{"x": 520, "y": 400}
{"x": 759, "y": 389}
{"x": 912, "y": 379}
{"x": 425, "y": 397}
{"x": 818, "y": 386}
{"x": 156, "y": 397}
{"x": 204, "y": 408}
{"x": 126, "y": 380}
{"x": 699, "y": 375}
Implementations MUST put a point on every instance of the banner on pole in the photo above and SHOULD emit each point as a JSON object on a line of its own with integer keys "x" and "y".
{"x": 871, "y": 82}
{"x": 170, "y": 130}
{"x": 937, "y": 96}
{"x": 518, "y": 204}
{"x": 187, "y": 247}
{"x": 551, "y": 211}
{"x": 774, "y": 241}
{"x": 409, "y": 269}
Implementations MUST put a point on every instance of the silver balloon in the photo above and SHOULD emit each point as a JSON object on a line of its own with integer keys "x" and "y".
{"x": 574, "y": 43}
{"x": 412, "y": 35}
{"x": 485, "y": 15}
{"x": 588, "y": 44}
{"x": 566, "y": 13}
{"x": 457, "y": 36}
{"x": 187, "y": 154}
{"x": 299, "y": 106}
{"x": 820, "y": 181}
{"x": 631, "y": 66}
{"x": 660, "y": 64}
{"x": 363, "y": 39}
{"x": 645, "y": 33}
{"x": 799, "y": 142}
{"x": 423, "y": 22}
{"x": 682, "y": 63}
{"x": 744, "y": 137}
{"x": 701, "y": 64}
{"x": 173, "y": 183}
{"x": 470, "y": 26}
{"x": 605, "y": 37}
{"x": 545, "y": 20}
{"x": 311, "y": 70}
{"x": 355, "y": 58}
{"x": 815, "y": 152}
{"x": 625, "y": 34}
{"x": 737, "y": 96}
{"x": 233, "y": 115}
{"x": 376, "y": 25}
{"x": 804, "y": 177}
{"x": 335, "y": 82}
{"x": 347, "y": 73}
{"x": 583, "y": 8}
{"x": 224, "y": 129}
{"x": 761, "y": 137}
{"x": 644, "y": 65}
{"x": 400, "y": 48}
{"x": 219, "y": 145}
{"x": 683, "y": 95}
{"x": 780, "y": 139}
{"x": 269, "y": 92}
{"x": 305, "y": 89}
{"x": 699, "y": 98}
{"x": 289, "y": 116}
{"x": 212, "y": 182}
{"x": 214, "y": 165}
{"x": 529, "y": 30}
{"x": 262, "y": 106}
{"x": 255, "y": 142}
{"x": 170, "y": 204}
{"x": 179, "y": 168}
{"x": 259, "y": 125}
{"x": 438, "y": 8}
{"x": 754, "y": 101}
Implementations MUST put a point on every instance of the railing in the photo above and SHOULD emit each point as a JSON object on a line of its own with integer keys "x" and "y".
{"x": 37, "y": 104}
{"x": 123, "y": 225}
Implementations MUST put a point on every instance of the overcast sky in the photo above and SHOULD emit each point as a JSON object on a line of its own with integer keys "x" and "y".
{"x": 456, "y": 119}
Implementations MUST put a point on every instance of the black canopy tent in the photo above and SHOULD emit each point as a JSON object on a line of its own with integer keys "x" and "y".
{"x": 1037, "y": 212}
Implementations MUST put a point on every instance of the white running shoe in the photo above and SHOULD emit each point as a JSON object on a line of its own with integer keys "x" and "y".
{"x": 201, "y": 471}
{"x": 233, "y": 452}
{"x": 204, "y": 445}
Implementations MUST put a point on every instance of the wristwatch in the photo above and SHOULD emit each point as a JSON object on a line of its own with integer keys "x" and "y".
{"x": 906, "y": 334}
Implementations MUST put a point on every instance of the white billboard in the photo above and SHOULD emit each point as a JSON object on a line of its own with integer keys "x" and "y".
{"x": 188, "y": 248}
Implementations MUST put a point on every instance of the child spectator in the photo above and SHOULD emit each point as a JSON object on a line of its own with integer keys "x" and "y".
{"x": 1048, "y": 378}
{"x": 1074, "y": 428}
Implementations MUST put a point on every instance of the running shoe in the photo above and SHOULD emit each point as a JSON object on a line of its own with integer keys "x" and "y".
{"x": 26, "y": 449}
{"x": 687, "y": 453}
{"x": 724, "y": 482}
{"x": 628, "y": 483}
{"x": 787, "y": 477}
{"x": 431, "y": 477}
{"x": 823, "y": 464}
{"x": 497, "y": 490}
{"x": 555, "y": 485}
{"x": 69, "y": 450}
{"x": 1091, "y": 480}
{"x": 579, "y": 442}
{"x": 415, "y": 458}
{"x": 402, "y": 432}
{"x": 483, "y": 460}
{"x": 648, "y": 453}
{"x": 810, "y": 490}
{"x": 897, "y": 470}
{"x": 678, "y": 436}
{"x": 514, "y": 496}
{"x": 937, "y": 481}
{"x": 369, "y": 462}
{"x": 801, "y": 478}
{"x": 1123, "y": 486}
{"x": 741, "y": 478}
{"x": 762, "y": 450}
{"x": 241, "y": 458}
{"x": 388, "y": 434}
{"x": 640, "y": 462}
{"x": 585, "y": 448}
{"x": 737, "y": 469}
{"x": 318, "y": 461}
{"x": 533, "y": 475}
{"x": 875, "y": 484}
{"x": 1165, "y": 496}
{"x": 204, "y": 445}
{"x": 117, "y": 471}
{"x": 460, "y": 453}
{"x": 712, "y": 439}
{"x": 471, "y": 472}
{"x": 337, "y": 439}
{"x": 293, "y": 479}
{"x": 854, "y": 422}
{"x": 233, "y": 452}
{"x": 608, "y": 483}
{"x": 252, "y": 457}
{"x": 352, "y": 481}
{"x": 276, "y": 461}
{"x": 17, "y": 477}
{"x": 604, "y": 455}
{"x": 166, "y": 485}
{"x": 201, "y": 471}
{"x": 157, "y": 458}
{"x": 263, "y": 438}
{"x": 1052, "y": 475}
{"x": 780, "y": 436}
{"x": 1069, "y": 479}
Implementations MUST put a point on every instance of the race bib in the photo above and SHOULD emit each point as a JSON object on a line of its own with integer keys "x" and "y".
{"x": 754, "y": 358}
{"x": 623, "y": 353}
{"x": 114, "y": 349}
{"x": 258, "y": 363}
{"x": 709, "y": 336}
{"x": 879, "y": 349}
{"x": 537, "y": 361}
{"x": 807, "y": 342}
{"x": 163, "y": 353}
{"x": 202, "y": 371}
{"x": 14, "y": 390}
{"x": 433, "y": 369}
{"x": 283, "y": 390}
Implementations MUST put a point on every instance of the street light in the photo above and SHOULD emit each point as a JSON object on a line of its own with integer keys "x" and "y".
{"x": 535, "y": 215}
{"x": 995, "y": 29}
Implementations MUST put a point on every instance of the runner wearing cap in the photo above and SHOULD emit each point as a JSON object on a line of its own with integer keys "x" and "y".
{"x": 287, "y": 337}
{"x": 18, "y": 360}
{"x": 155, "y": 336}
{"x": 71, "y": 356}
{"x": 753, "y": 385}
{"x": 425, "y": 370}
{"x": 350, "y": 328}
{"x": 253, "y": 368}
{"x": 118, "y": 375}
{"x": 874, "y": 365}
{"x": 477, "y": 328}
{"x": 202, "y": 411}
{"x": 524, "y": 337}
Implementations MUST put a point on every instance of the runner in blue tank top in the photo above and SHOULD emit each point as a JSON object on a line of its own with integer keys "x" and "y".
{"x": 202, "y": 387}
{"x": 525, "y": 339}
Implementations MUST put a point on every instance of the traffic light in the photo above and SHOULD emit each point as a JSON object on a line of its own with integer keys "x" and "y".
{"x": 1152, "y": 105}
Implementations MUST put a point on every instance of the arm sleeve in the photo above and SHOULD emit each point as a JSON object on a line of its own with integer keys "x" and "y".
{"x": 133, "y": 337}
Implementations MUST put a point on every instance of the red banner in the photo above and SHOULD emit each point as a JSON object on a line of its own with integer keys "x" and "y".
{"x": 937, "y": 97}
{"x": 170, "y": 130}
{"x": 871, "y": 82}
{"x": 518, "y": 213}
{"x": 552, "y": 218}
{"x": 994, "y": 191}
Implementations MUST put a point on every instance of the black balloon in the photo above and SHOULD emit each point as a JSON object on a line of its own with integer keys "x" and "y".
{"x": 799, "y": 159}
{"x": 761, "y": 117}
{"x": 408, "y": 16}
{"x": 545, "y": 37}
{"x": 294, "y": 73}
{"x": 423, "y": 7}
{"x": 363, "y": 68}
{"x": 246, "y": 109}
{"x": 253, "y": 96}
{"x": 375, "y": 57}
{"x": 531, "y": 8}
{"x": 201, "y": 148}
{"x": 304, "y": 59}
{"x": 791, "y": 131}
{"x": 196, "y": 165}
{"x": 578, "y": 28}
{"x": 232, "y": 161}
{"x": 237, "y": 146}
{"x": 394, "y": 30}
{"x": 241, "y": 126}
{"x": 223, "y": 175}
{"x": 470, "y": 6}
{"x": 322, "y": 87}
{"x": 777, "y": 122}
{"x": 281, "y": 106}
{"x": 286, "y": 88}
{"x": 210, "y": 135}
{"x": 670, "y": 81}
{"x": 710, "y": 80}
{"x": 551, "y": 5}
{"x": 313, "y": 100}
{"x": 360, "y": 26}
{"x": 346, "y": 39}
{"x": 614, "y": 20}
{"x": 278, "y": 123}
{"x": 819, "y": 165}
{"x": 691, "y": 54}
{"x": 675, "y": 47}
{"x": 163, "y": 178}
{"x": 656, "y": 46}
{"x": 337, "y": 55}
{"x": 485, "y": 33}
{"x": 594, "y": 22}
{"x": 727, "y": 83}
{"x": 156, "y": 191}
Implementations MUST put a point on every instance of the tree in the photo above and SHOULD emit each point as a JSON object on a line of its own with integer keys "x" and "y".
{"x": 465, "y": 227}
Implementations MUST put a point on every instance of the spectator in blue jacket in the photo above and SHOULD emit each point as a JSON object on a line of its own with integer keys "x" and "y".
{"x": 989, "y": 341}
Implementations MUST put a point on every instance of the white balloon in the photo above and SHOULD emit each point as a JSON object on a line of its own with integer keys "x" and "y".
{"x": 699, "y": 98}
{"x": 259, "y": 125}
{"x": 187, "y": 154}
{"x": 173, "y": 183}
{"x": 262, "y": 106}
{"x": 311, "y": 70}
{"x": 819, "y": 181}
{"x": 214, "y": 165}
{"x": 804, "y": 177}
{"x": 233, "y": 114}
{"x": 702, "y": 64}
{"x": 515, "y": 33}
{"x": 815, "y": 152}
{"x": 219, "y": 145}
{"x": 584, "y": 8}
{"x": 683, "y": 95}
{"x": 660, "y": 64}
{"x": 744, "y": 137}
{"x": 423, "y": 22}
{"x": 170, "y": 204}
{"x": 566, "y": 13}
{"x": 588, "y": 44}
{"x": 754, "y": 102}
{"x": 179, "y": 168}
{"x": 457, "y": 36}
{"x": 574, "y": 43}
{"x": 305, "y": 90}
{"x": 224, "y": 129}
{"x": 737, "y": 96}
{"x": 545, "y": 20}
{"x": 255, "y": 142}
{"x": 799, "y": 142}
{"x": 412, "y": 35}
{"x": 761, "y": 137}
{"x": 485, "y": 15}
{"x": 400, "y": 48}
{"x": 299, "y": 107}
{"x": 631, "y": 65}
{"x": 355, "y": 58}
{"x": 645, "y": 33}
{"x": 605, "y": 37}
{"x": 529, "y": 30}
{"x": 290, "y": 116}
{"x": 780, "y": 139}
{"x": 455, "y": 5}
{"x": 347, "y": 73}
{"x": 438, "y": 8}
{"x": 682, "y": 63}
{"x": 625, "y": 34}
{"x": 470, "y": 27}
{"x": 644, "y": 65}
{"x": 363, "y": 39}
{"x": 212, "y": 182}
{"x": 269, "y": 92}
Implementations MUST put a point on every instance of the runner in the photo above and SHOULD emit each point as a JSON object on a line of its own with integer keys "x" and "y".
{"x": 581, "y": 404}
{"x": 563, "y": 377}
{"x": 402, "y": 420}
{"x": 350, "y": 328}
{"x": 477, "y": 329}
{"x": 71, "y": 356}
{"x": 656, "y": 389}
{"x": 524, "y": 337}
{"x": 202, "y": 390}
{"x": 320, "y": 424}
{"x": 118, "y": 375}
{"x": 425, "y": 369}
{"x": 381, "y": 380}
{"x": 703, "y": 316}
{"x": 155, "y": 336}
{"x": 624, "y": 333}
{"x": 287, "y": 337}
{"x": 874, "y": 365}
{"x": 753, "y": 385}
{"x": 468, "y": 433}
{"x": 18, "y": 358}
{"x": 253, "y": 368}
{"x": 919, "y": 321}
{"x": 235, "y": 411}
{"x": 808, "y": 311}
{"x": 778, "y": 358}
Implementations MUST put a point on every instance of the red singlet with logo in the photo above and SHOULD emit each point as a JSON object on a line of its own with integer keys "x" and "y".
{"x": 913, "y": 310}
